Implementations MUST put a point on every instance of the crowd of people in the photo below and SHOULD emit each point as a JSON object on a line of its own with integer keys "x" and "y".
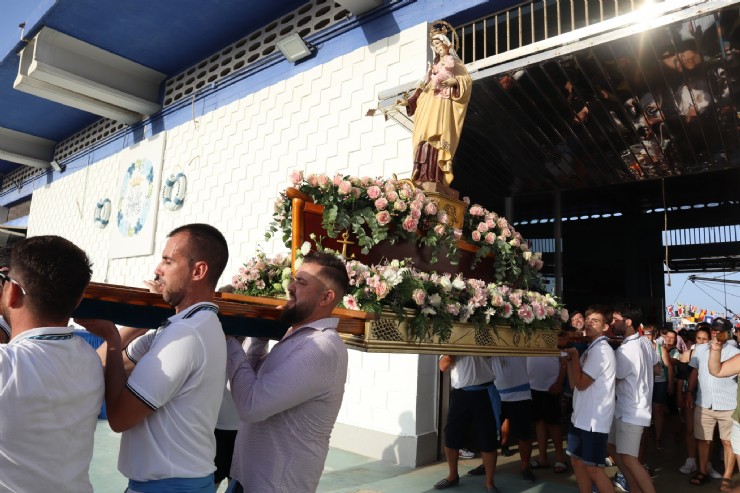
{"x": 172, "y": 391}
{"x": 617, "y": 382}
{"x": 183, "y": 394}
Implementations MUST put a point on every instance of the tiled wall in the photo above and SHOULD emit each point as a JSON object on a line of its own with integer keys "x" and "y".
{"x": 238, "y": 157}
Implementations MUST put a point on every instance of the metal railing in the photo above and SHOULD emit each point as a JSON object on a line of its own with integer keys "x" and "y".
{"x": 533, "y": 21}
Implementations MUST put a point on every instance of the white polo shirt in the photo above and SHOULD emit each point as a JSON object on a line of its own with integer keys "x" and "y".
{"x": 593, "y": 408}
{"x": 634, "y": 388}
{"x": 543, "y": 372}
{"x": 512, "y": 380}
{"x": 470, "y": 370}
{"x": 180, "y": 373}
{"x": 51, "y": 390}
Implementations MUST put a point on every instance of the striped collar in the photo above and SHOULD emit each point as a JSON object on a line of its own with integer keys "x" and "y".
{"x": 190, "y": 311}
{"x": 44, "y": 333}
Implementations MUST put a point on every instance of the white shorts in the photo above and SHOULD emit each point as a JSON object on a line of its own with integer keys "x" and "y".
{"x": 627, "y": 437}
{"x": 735, "y": 437}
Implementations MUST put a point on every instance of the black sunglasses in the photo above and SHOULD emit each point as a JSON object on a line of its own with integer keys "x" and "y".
{"x": 5, "y": 277}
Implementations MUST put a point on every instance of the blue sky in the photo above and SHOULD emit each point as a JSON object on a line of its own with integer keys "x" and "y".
{"x": 711, "y": 296}
{"x": 12, "y": 13}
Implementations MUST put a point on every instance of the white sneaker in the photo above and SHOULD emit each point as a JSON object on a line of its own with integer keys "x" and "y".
{"x": 712, "y": 473}
{"x": 466, "y": 454}
{"x": 689, "y": 466}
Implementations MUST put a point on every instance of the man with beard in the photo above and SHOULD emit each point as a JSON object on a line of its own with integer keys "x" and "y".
{"x": 636, "y": 361}
{"x": 51, "y": 381}
{"x": 289, "y": 398}
{"x": 168, "y": 405}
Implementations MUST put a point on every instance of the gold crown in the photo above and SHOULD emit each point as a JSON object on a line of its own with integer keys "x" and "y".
{"x": 445, "y": 28}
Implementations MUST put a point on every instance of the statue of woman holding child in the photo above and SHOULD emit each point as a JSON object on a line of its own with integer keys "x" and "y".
{"x": 439, "y": 106}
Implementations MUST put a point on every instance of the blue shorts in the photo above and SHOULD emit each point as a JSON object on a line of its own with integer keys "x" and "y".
{"x": 589, "y": 446}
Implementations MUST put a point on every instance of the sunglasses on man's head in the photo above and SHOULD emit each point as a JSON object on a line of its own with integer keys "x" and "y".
{"x": 4, "y": 277}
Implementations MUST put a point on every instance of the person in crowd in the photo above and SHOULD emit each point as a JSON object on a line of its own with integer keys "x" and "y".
{"x": 167, "y": 407}
{"x": 729, "y": 368}
{"x": 663, "y": 385}
{"x": 593, "y": 378}
{"x": 288, "y": 398}
{"x": 51, "y": 380}
{"x": 512, "y": 381}
{"x": 546, "y": 376}
{"x": 473, "y": 399}
{"x": 4, "y": 263}
{"x": 716, "y": 400}
{"x": 577, "y": 322}
{"x": 702, "y": 336}
{"x": 635, "y": 360}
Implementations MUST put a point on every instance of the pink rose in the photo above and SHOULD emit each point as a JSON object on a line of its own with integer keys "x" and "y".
{"x": 296, "y": 177}
{"x": 416, "y": 205}
{"x": 416, "y": 214}
{"x": 391, "y": 196}
{"x": 399, "y": 205}
{"x": 431, "y": 208}
{"x": 381, "y": 204}
{"x": 419, "y": 296}
{"x": 439, "y": 230}
{"x": 475, "y": 235}
{"x": 373, "y": 192}
{"x": 323, "y": 180}
{"x": 381, "y": 290}
{"x": 457, "y": 233}
{"x": 383, "y": 218}
{"x": 410, "y": 224}
{"x": 476, "y": 210}
{"x": 338, "y": 179}
{"x": 442, "y": 217}
{"x": 482, "y": 227}
{"x": 490, "y": 238}
{"x": 313, "y": 180}
{"x": 365, "y": 181}
{"x": 344, "y": 187}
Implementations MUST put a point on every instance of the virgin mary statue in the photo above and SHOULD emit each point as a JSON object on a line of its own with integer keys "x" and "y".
{"x": 439, "y": 106}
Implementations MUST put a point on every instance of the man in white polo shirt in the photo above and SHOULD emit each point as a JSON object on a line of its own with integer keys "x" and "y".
{"x": 167, "y": 408}
{"x": 636, "y": 360}
{"x": 592, "y": 378}
{"x": 51, "y": 380}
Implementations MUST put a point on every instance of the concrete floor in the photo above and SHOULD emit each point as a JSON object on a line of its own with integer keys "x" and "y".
{"x": 346, "y": 472}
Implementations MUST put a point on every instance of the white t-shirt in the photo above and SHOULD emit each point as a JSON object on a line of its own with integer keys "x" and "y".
{"x": 470, "y": 370}
{"x": 511, "y": 379}
{"x": 51, "y": 390}
{"x": 543, "y": 372}
{"x": 180, "y": 373}
{"x": 593, "y": 408}
{"x": 635, "y": 359}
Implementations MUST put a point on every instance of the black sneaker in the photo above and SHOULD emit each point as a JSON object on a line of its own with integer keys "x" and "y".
{"x": 478, "y": 471}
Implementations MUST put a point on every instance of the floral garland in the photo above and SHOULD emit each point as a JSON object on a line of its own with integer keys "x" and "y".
{"x": 376, "y": 209}
{"x": 431, "y": 301}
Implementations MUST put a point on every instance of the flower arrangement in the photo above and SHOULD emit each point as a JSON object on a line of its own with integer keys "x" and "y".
{"x": 431, "y": 301}
{"x": 263, "y": 276}
{"x": 377, "y": 209}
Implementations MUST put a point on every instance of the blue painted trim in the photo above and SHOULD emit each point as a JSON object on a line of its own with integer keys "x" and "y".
{"x": 336, "y": 41}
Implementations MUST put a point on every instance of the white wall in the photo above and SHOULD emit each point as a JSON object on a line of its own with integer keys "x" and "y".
{"x": 237, "y": 158}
